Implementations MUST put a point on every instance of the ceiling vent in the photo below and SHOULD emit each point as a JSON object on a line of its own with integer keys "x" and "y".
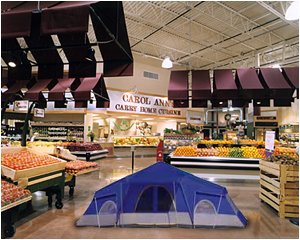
{"x": 151, "y": 75}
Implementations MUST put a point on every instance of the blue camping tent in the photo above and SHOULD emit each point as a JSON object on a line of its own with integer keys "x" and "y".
{"x": 162, "y": 195}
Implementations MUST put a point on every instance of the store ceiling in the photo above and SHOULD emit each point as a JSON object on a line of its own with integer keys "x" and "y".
{"x": 213, "y": 34}
{"x": 205, "y": 35}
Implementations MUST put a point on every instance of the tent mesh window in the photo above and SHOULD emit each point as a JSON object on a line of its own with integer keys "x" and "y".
{"x": 165, "y": 201}
{"x": 109, "y": 207}
{"x": 155, "y": 199}
{"x": 205, "y": 207}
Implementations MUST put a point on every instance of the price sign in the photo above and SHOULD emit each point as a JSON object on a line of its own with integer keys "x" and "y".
{"x": 39, "y": 112}
{"x": 21, "y": 105}
{"x": 269, "y": 142}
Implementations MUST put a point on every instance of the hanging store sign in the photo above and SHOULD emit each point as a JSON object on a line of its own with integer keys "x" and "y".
{"x": 21, "y": 105}
{"x": 141, "y": 104}
{"x": 39, "y": 112}
{"x": 194, "y": 117}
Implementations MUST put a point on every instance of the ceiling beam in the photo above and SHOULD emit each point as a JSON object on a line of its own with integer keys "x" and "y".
{"x": 278, "y": 14}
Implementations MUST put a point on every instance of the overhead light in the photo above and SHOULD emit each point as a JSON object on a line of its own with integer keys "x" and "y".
{"x": 220, "y": 102}
{"x": 292, "y": 13}
{"x": 4, "y": 88}
{"x": 90, "y": 54}
{"x": 122, "y": 117}
{"x": 167, "y": 63}
{"x": 277, "y": 66}
{"x": 12, "y": 64}
{"x": 258, "y": 103}
{"x": 24, "y": 90}
{"x": 148, "y": 119}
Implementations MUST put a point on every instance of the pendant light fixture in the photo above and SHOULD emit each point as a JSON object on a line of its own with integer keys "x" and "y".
{"x": 167, "y": 63}
{"x": 292, "y": 13}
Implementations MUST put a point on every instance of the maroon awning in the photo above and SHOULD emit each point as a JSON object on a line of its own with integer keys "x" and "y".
{"x": 16, "y": 17}
{"x": 178, "y": 89}
{"x": 35, "y": 92}
{"x": 178, "y": 85}
{"x": 16, "y": 20}
{"x": 67, "y": 17}
{"x": 201, "y": 88}
{"x": 83, "y": 92}
{"x": 275, "y": 83}
{"x": 292, "y": 76}
{"x": 101, "y": 95}
{"x": 57, "y": 93}
{"x": 250, "y": 86}
{"x": 240, "y": 103}
{"x": 37, "y": 21}
{"x": 14, "y": 89}
{"x": 109, "y": 20}
{"x": 224, "y": 85}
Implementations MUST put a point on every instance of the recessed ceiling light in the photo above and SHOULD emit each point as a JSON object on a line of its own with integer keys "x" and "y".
{"x": 12, "y": 64}
{"x": 258, "y": 103}
{"x": 220, "y": 102}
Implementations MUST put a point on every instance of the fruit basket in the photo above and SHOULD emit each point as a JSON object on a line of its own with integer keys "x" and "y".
{"x": 20, "y": 162}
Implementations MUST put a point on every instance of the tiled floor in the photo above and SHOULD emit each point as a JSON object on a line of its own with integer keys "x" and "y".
{"x": 54, "y": 223}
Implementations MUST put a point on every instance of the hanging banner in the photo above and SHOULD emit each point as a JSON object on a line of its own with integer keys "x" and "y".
{"x": 39, "y": 112}
{"x": 141, "y": 104}
{"x": 21, "y": 105}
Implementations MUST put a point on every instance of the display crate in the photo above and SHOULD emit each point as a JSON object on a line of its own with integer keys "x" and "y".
{"x": 279, "y": 188}
{"x": 15, "y": 175}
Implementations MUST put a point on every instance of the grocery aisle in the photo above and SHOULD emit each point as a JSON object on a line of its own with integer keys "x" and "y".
{"x": 54, "y": 223}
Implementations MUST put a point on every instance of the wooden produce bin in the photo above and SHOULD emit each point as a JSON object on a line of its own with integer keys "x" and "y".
{"x": 50, "y": 178}
{"x": 16, "y": 175}
{"x": 279, "y": 188}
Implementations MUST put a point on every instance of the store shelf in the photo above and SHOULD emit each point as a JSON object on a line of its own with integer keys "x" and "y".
{"x": 214, "y": 162}
{"x": 16, "y": 203}
{"x": 51, "y": 138}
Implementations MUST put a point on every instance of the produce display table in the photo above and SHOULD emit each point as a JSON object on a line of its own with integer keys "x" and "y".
{"x": 49, "y": 178}
{"x": 13, "y": 199}
{"x": 9, "y": 215}
{"x": 90, "y": 155}
{"x": 214, "y": 162}
{"x": 70, "y": 179}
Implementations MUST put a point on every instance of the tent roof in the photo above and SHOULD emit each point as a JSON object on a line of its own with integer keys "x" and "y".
{"x": 163, "y": 173}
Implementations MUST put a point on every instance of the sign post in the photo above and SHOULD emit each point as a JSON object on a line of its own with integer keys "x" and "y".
{"x": 132, "y": 158}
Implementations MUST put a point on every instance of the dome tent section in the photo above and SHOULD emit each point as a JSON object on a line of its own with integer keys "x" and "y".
{"x": 162, "y": 195}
